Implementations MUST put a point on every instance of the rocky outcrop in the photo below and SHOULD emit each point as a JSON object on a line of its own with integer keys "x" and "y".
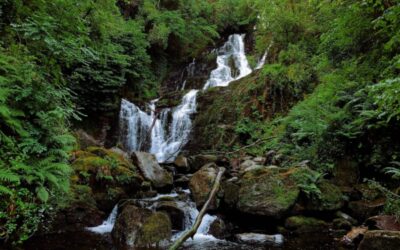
{"x": 151, "y": 170}
{"x": 268, "y": 191}
{"x": 380, "y": 239}
{"x": 138, "y": 227}
{"x": 201, "y": 184}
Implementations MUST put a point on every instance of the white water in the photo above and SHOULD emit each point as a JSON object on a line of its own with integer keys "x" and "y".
{"x": 154, "y": 132}
{"x": 263, "y": 59}
{"x": 107, "y": 225}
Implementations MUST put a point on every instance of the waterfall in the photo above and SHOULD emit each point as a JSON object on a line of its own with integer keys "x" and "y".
{"x": 261, "y": 63}
{"x": 107, "y": 225}
{"x": 149, "y": 131}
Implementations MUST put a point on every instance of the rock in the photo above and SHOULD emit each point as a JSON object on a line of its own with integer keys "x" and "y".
{"x": 269, "y": 156}
{"x": 383, "y": 222}
{"x": 347, "y": 217}
{"x": 182, "y": 182}
{"x": 231, "y": 193}
{"x": 261, "y": 239}
{"x": 364, "y": 209}
{"x": 198, "y": 161}
{"x": 304, "y": 224}
{"x": 380, "y": 239}
{"x": 340, "y": 223}
{"x": 85, "y": 140}
{"x": 246, "y": 164}
{"x": 219, "y": 229}
{"x": 268, "y": 192}
{"x": 259, "y": 160}
{"x": 139, "y": 227}
{"x": 201, "y": 184}
{"x": 182, "y": 164}
{"x": 331, "y": 198}
{"x": 176, "y": 215}
{"x": 151, "y": 170}
{"x": 254, "y": 167}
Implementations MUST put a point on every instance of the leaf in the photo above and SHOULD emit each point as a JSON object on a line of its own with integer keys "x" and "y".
{"x": 42, "y": 194}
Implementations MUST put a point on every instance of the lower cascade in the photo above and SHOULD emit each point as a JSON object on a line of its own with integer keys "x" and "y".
{"x": 164, "y": 133}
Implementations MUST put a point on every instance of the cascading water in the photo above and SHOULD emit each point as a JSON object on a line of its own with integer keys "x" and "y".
{"x": 150, "y": 131}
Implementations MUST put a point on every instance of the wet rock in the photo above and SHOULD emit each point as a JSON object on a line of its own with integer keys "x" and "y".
{"x": 302, "y": 224}
{"x": 364, "y": 209}
{"x": 182, "y": 182}
{"x": 151, "y": 170}
{"x": 139, "y": 227}
{"x": 175, "y": 213}
{"x": 255, "y": 238}
{"x": 347, "y": 217}
{"x": 231, "y": 193}
{"x": 201, "y": 184}
{"x": 380, "y": 239}
{"x": 331, "y": 198}
{"x": 268, "y": 192}
{"x": 383, "y": 222}
{"x": 340, "y": 223}
{"x": 182, "y": 164}
{"x": 198, "y": 161}
{"x": 219, "y": 229}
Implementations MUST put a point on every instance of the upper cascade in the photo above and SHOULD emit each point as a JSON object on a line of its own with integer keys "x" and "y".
{"x": 165, "y": 132}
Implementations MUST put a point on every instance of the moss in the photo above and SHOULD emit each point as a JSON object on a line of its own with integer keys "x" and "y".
{"x": 304, "y": 224}
{"x": 330, "y": 198}
{"x": 156, "y": 228}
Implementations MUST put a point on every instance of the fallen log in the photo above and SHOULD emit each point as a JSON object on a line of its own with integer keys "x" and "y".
{"x": 193, "y": 230}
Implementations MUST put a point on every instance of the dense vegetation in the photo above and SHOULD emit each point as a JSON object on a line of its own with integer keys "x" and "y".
{"x": 63, "y": 61}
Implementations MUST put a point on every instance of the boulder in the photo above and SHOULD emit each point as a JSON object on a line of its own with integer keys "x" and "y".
{"x": 151, "y": 170}
{"x": 380, "y": 239}
{"x": 138, "y": 227}
{"x": 247, "y": 164}
{"x": 259, "y": 160}
{"x": 85, "y": 140}
{"x": 198, "y": 161}
{"x": 182, "y": 182}
{"x": 175, "y": 213}
{"x": 231, "y": 193}
{"x": 219, "y": 229}
{"x": 383, "y": 222}
{"x": 260, "y": 239}
{"x": 302, "y": 224}
{"x": 201, "y": 184}
{"x": 182, "y": 164}
{"x": 353, "y": 236}
{"x": 364, "y": 209}
{"x": 330, "y": 199}
{"x": 268, "y": 191}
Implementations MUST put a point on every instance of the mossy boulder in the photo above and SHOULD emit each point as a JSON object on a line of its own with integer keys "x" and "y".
{"x": 303, "y": 224}
{"x": 330, "y": 198}
{"x": 109, "y": 175}
{"x": 139, "y": 227}
{"x": 268, "y": 191}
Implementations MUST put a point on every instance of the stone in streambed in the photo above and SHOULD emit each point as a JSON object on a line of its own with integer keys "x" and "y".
{"x": 175, "y": 213}
{"x": 198, "y": 161}
{"x": 260, "y": 239}
{"x": 151, "y": 170}
{"x": 201, "y": 184}
{"x": 330, "y": 198}
{"x": 138, "y": 228}
{"x": 268, "y": 191}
